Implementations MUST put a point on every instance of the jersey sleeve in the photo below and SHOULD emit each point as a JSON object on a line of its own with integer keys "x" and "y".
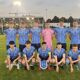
{"x": 33, "y": 49}
{"x": 5, "y": 31}
{"x": 18, "y": 51}
{"x": 49, "y": 51}
{"x": 39, "y": 51}
{"x": 43, "y": 33}
{"x": 24, "y": 51}
{"x": 54, "y": 53}
{"x": 64, "y": 52}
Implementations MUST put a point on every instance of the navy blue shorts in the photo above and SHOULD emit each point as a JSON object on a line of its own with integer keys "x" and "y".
{"x": 43, "y": 58}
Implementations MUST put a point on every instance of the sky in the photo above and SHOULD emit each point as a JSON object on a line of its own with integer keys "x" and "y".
{"x": 45, "y": 8}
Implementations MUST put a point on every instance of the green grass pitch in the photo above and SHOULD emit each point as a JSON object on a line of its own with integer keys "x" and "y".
{"x": 22, "y": 74}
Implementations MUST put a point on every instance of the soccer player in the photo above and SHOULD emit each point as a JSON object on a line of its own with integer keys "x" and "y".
{"x": 60, "y": 33}
{"x": 10, "y": 34}
{"x": 58, "y": 56}
{"x": 44, "y": 53}
{"x": 23, "y": 33}
{"x": 74, "y": 56}
{"x": 36, "y": 33}
{"x": 47, "y": 35}
{"x": 28, "y": 54}
{"x": 13, "y": 56}
{"x": 75, "y": 35}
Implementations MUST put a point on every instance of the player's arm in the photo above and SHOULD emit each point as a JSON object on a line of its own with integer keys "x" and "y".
{"x": 26, "y": 61}
{"x": 31, "y": 57}
{"x": 69, "y": 36}
{"x": 63, "y": 59}
{"x": 25, "y": 58}
{"x": 49, "y": 56}
{"x": 56, "y": 59}
{"x": 38, "y": 58}
{"x": 30, "y": 36}
{"x": 70, "y": 59}
{"x": 17, "y": 35}
{"x": 17, "y": 58}
{"x": 76, "y": 60}
{"x": 72, "y": 62}
{"x": 8, "y": 59}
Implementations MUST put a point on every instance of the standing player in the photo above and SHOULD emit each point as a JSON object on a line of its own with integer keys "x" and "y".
{"x": 47, "y": 34}
{"x": 44, "y": 53}
{"x": 60, "y": 33}
{"x": 36, "y": 34}
{"x": 10, "y": 34}
{"x": 74, "y": 56}
{"x": 59, "y": 56}
{"x": 75, "y": 35}
{"x": 28, "y": 54}
{"x": 13, "y": 56}
{"x": 23, "y": 35}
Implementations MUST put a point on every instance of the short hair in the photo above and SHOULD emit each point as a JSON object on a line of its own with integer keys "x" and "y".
{"x": 11, "y": 22}
{"x": 74, "y": 45}
{"x": 59, "y": 43}
{"x": 23, "y": 22}
{"x": 61, "y": 20}
{"x": 36, "y": 21}
{"x": 11, "y": 42}
{"x": 43, "y": 43}
{"x": 75, "y": 20}
{"x": 28, "y": 42}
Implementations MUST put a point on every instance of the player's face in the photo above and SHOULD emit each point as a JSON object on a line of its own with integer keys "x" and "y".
{"x": 75, "y": 24}
{"x": 59, "y": 46}
{"x": 36, "y": 24}
{"x": 12, "y": 46}
{"x": 44, "y": 46}
{"x": 28, "y": 46}
{"x": 61, "y": 24}
{"x": 11, "y": 25}
{"x": 47, "y": 25}
{"x": 74, "y": 49}
{"x": 22, "y": 25}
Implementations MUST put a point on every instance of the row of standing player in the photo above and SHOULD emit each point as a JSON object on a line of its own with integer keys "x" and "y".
{"x": 35, "y": 33}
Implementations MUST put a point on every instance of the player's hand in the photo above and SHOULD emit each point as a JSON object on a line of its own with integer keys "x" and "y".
{"x": 48, "y": 60}
{"x": 14, "y": 62}
{"x": 72, "y": 62}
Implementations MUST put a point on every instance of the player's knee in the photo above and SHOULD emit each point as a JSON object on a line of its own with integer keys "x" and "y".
{"x": 64, "y": 61}
{"x": 33, "y": 60}
{"x": 23, "y": 62}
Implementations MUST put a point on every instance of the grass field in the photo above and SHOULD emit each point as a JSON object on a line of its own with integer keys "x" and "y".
{"x": 22, "y": 74}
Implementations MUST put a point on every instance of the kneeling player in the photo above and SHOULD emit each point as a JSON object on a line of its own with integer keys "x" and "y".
{"x": 44, "y": 56}
{"x": 74, "y": 56}
{"x": 28, "y": 54}
{"x": 59, "y": 56}
{"x": 13, "y": 56}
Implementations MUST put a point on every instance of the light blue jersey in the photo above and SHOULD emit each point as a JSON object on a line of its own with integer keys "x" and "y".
{"x": 28, "y": 52}
{"x": 74, "y": 55}
{"x": 10, "y": 35}
{"x": 75, "y": 35}
{"x": 35, "y": 35}
{"x": 23, "y": 35}
{"x": 58, "y": 53}
{"x": 61, "y": 34}
{"x": 13, "y": 53}
{"x": 44, "y": 53}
